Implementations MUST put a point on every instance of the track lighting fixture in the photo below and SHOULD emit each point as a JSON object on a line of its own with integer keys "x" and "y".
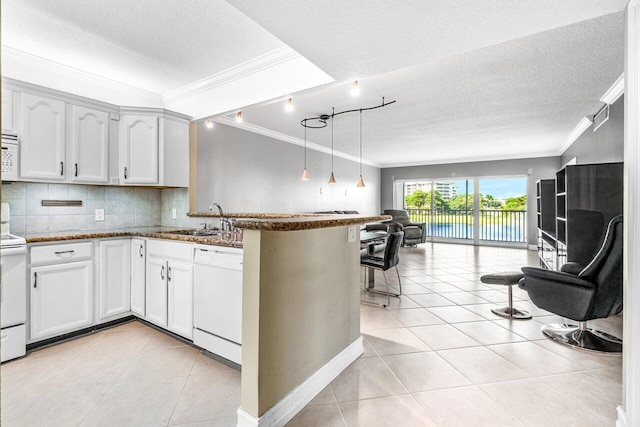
{"x": 239, "y": 116}
{"x": 288, "y": 105}
{"x": 208, "y": 123}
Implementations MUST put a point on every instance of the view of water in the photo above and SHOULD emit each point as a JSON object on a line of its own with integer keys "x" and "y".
{"x": 495, "y": 232}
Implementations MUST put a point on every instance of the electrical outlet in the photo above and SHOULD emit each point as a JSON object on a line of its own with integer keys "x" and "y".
{"x": 174, "y": 213}
{"x": 99, "y": 214}
{"x": 351, "y": 235}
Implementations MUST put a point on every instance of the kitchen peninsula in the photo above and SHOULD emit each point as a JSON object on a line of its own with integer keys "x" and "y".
{"x": 301, "y": 309}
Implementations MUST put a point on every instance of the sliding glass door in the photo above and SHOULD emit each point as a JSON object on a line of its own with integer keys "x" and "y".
{"x": 472, "y": 210}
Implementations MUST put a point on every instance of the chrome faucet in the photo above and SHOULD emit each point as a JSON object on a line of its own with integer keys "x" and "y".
{"x": 225, "y": 224}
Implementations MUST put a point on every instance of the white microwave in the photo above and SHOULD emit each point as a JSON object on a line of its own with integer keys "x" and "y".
{"x": 9, "y": 157}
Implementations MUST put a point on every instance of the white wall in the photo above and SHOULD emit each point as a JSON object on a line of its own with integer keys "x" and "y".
{"x": 247, "y": 172}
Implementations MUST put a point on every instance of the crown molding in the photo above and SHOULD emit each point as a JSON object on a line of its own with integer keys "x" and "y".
{"x": 614, "y": 92}
{"x": 583, "y": 125}
{"x": 252, "y": 66}
{"x": 17, "y": 61}
{"x": 290, "y": 139}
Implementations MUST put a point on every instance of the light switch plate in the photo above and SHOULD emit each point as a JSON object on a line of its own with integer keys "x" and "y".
{"x": 99, "y": 214}
{"x": 174, "y": 213}
{"x": 351, "y": 235}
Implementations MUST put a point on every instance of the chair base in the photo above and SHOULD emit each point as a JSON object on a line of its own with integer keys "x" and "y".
{"x": 511, "y": 313}
{"x": 583, "y": 339}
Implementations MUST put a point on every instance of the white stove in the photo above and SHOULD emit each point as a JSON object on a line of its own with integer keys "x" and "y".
{"x": 13, "y": 291}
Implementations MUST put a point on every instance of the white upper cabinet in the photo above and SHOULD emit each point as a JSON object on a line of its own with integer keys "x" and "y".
{"x": 7, "y": 110}
{"x": 42, "y": 134}
{"x": 88, "y": 145}
{"x": 139, "y": 149}
{"x": 153, "y": 148}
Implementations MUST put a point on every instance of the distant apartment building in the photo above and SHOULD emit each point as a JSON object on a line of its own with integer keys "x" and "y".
{"x": 447, "y": 190}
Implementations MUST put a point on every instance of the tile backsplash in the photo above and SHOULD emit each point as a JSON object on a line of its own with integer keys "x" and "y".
{"x": 123, "y": 207}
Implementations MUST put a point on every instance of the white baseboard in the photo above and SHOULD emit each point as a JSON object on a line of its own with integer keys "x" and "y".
{"x": 283, "y": 411}
{"x": 622, "y": 417}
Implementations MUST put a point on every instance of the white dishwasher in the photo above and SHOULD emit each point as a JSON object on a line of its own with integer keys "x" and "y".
{"x": 217, "y": 297}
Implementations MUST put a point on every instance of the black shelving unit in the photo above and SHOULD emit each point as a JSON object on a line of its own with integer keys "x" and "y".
{"x": 587, "y": 197}
{"x": 546, "y": 213}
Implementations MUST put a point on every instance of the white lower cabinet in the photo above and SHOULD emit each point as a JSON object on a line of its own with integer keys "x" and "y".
{"x": 170, "y": 286}
{"x": 61, "y": 298}
{"x": 138, "y": 277}
{"x": 157, "y": 291}
{"x": 114, "y": 290}
{"x": 180, "y": 298}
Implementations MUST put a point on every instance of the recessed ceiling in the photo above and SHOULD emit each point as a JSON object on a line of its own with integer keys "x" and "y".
{"x": 516, "y": 99}
{"x": 473, "y": 79}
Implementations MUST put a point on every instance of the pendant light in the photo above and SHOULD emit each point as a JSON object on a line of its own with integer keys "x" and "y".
{"x": 360, "y": 183}
{"x": 332, "y": 179}
{"x": 305, "y": 174}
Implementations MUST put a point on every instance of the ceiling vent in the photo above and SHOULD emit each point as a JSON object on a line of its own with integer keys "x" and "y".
{"x": 601, "y": 117}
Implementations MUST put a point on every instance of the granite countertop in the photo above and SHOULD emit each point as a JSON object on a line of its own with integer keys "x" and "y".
{"x": 306, "y": 222}
{"x": 154, "y": 232}
{"x": 247, "y": 221}
{"x": 253, "y": 215}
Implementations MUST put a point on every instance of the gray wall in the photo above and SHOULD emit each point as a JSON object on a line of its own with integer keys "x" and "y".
{"x": 536, "y": 168}
{"x": 248, "y": 172}
{"x": 606, "y": 145}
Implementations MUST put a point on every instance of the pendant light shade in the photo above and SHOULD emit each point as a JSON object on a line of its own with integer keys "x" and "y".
{"x": 332, "y": 179}
{"x": 305, "y": 174}
{"x": 360, "y": 183}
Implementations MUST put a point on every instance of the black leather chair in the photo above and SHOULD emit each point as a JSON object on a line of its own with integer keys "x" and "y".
{"x": 414, "y": 232}
{"x": 391, "y": 259}
{"x": 377, "y": 247}
{"x": 582, "y": 293}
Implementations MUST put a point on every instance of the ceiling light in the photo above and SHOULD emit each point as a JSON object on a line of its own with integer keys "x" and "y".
{"x": 288, "y": 105}
{"x": 208, "y": 123}
{"x": 360, "y": 183}
{"x": 355, "y": 88}
{"x": 239, "y": 116}
{"x": 305, "y": 174}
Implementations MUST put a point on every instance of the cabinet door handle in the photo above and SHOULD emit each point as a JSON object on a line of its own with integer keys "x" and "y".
{"x": 61, "y": 168}
{"x": 162, "y": 272}
{"x": 76, "y": 169}
{"x": 169, "y": 273}
{"x": 125, "y": 172}
{"x": 35, "y": 280}
{"x": 141, "y": 255}
{"x": 65, "y": 252}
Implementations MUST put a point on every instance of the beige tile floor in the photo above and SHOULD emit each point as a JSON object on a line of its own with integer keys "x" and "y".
{"x": 437, "y": 356}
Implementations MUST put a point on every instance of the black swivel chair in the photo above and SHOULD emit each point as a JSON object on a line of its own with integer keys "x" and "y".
{"x": 391, "y": 259}
{"x": 582, "y": 293}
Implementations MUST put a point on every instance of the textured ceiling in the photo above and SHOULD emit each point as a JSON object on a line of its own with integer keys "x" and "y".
{"x": 157, "y": 45}
{"x": 364, "y": 38}
{"x": 515, "y": 99}
{"x": 474, "y": 79}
